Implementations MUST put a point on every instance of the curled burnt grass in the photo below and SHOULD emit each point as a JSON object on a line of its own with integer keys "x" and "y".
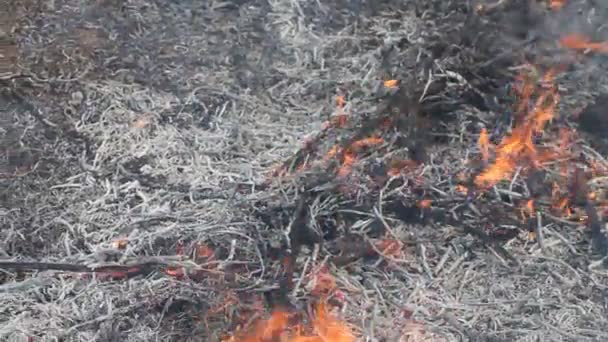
{"x": 172, "y": 170}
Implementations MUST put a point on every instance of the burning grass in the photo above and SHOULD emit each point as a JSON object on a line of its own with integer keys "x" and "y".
{"x": 323, "y": 328}
{"x": 140, "y": 206}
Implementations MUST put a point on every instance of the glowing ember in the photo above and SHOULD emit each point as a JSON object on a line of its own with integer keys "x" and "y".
{"x": 397, "y": 166}
{"x": 425, "y": 203}
{"x": 577, "y": 41}
{"x": 324, "y": 328}
{"x": 556, "y": 4}
{"x": 484, "y": 144}
{"x": 391, "y": 83}
{"x": 339, "y": 119}
{"x": 530, "y": 208}
{"x": 519, "y": 147}
{"x": 367, "y": 142}
{"x": 120, "y": 244}
{"x": 349, "y": 154}
{"x": 347, "y": 164}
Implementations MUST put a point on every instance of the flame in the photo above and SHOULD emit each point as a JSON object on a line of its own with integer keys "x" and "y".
{"x": 578, "y": 41}
{"x": 557, "y": 4}
{"x": 484, "y": 144}
{"x": 367, "y": 142}
{"x": 528, "y": 209}
{"x": 349, "y": 154}
{"x": 120, "y": 243}
{"x": 397, "y": 166}
{"x": 324, "y": 328}
{"x": 340, "y": 101}
{"x": 347, "y": 164}
{"x": 339, "y": 119}
{"x": 425, "y": 203}
{"x": 204, "y": 251}
{"x": 519, "y": 146}
{"x": 391, "y": 83}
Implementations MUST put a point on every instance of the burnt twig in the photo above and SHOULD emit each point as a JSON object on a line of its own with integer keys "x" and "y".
{"x": 116, "y": 271}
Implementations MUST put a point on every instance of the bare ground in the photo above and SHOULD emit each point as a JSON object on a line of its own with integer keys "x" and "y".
{"x": 155, "y": 123}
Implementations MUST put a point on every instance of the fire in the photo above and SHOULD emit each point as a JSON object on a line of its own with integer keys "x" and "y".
{"x": 425, "y": 203}
{"x": 347, "y": 164}
{"x": 349, "y": 154}
{"x": 484, "y": 144}
{"x": 577, "y": 41}
{"x": 391, "y": 83}
{"x": 340, "y": 118}
{"x": 340, "y": 101}
{"x": 367, "y": 142}
{"x": 323, "y": 328}
{"x": 120, "y": 243}
{"x": 519, "y": 146}
{"x": 557, "y": 4}
{"x": 528, "y": 210}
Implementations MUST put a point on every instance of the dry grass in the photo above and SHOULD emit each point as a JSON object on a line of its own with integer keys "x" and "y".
{"x": 157, "y": 122}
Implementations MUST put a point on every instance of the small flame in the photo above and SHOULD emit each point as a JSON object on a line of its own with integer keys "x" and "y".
{"x": 557, "y": 4}
{"x": 578, "y": 41}
{"x": 325, "y": 328}
{"x": 529, "y": 208}
{"x": 367, "y": 142}
{"x": 349, "y": 154}
{"x": 347, "y": 164}
{"x": 519, "y": 146}
{"x": 425, "y": 203}
{"x": 484, "y": 144}
{"x": 391, "y": 83}
{"x": 397, "y": 166}
{"x": 340, "y": 101}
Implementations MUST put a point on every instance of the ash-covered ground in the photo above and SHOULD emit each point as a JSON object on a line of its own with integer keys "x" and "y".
{"x": 144, "y": 133}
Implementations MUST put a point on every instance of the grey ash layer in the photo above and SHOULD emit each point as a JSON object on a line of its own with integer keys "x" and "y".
{"x": 153, "y": 120}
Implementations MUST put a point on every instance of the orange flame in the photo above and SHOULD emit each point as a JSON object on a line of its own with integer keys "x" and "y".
{"x": 397, "y": 166}
{"x": 519, "y": 146}
{"x": 484, "y": 144}
{"x": 425, "y": 203}
{"x": 530, "y": 208}
{"x": 325, "y": 328}
{"x": 557, "y": 4}
{"x": 578, "y": 41}
{"x": 340, "y": 101}
{"x": 367, "y": 142}
{"x": 349, "y": 154}
{"x": 390, "y": 247}
{"x": 391, "y": 83}
{"x": 347, "y": 165}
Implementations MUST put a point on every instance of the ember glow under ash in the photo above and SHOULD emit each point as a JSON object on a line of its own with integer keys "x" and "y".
{"x": 580, "y": 42}
{"x": 557, "y": 4}
{"x": 324, "y": 327}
